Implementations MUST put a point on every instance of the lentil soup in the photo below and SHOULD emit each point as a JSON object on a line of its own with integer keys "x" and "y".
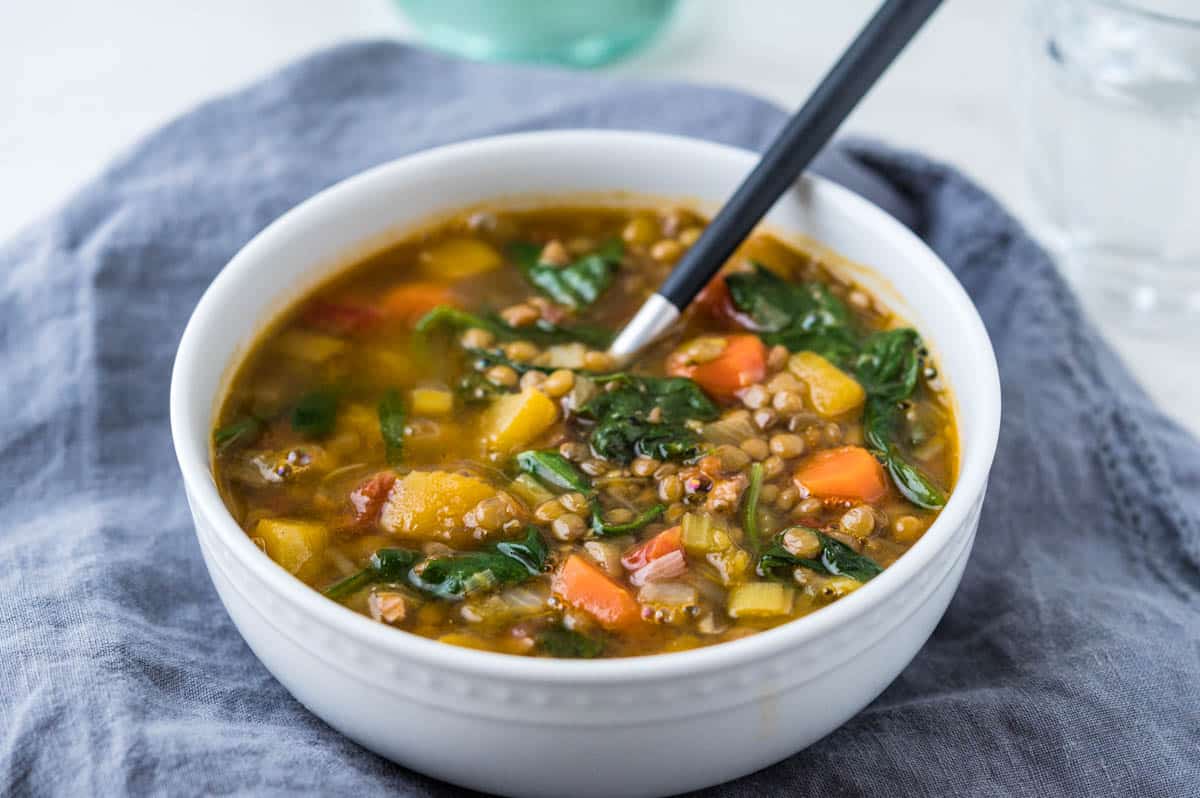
{"x": 438, "y": 439}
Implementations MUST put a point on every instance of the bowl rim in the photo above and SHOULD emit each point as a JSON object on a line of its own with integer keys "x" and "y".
{"x": 322, "y": 208}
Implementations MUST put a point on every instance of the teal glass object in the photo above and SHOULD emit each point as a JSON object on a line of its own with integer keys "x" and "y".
{"x": 578, "y": 33}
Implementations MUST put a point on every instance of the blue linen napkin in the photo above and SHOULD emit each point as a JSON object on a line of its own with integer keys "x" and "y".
{"x": 1068, "y": 663}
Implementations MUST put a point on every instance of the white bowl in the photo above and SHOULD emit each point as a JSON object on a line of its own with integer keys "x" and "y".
{"x": 644, "y": 726}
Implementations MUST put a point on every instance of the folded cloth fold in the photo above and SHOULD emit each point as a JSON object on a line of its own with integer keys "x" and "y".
{"x": 1068, "y": 664}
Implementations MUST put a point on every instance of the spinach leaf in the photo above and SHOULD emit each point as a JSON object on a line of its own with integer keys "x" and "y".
{"x": 841, "y": 560}
{"x": 607, "y": 530}
{"x": 546, "y": 333}
{"x": 484, "y": 359}
{"x": 386, "y": 565}
{"x": 242, "y": 432}
{"x": 541, "y": 332}
{"x": 577, "y": 284}
{"x": 392, "y": 418}
{"x": 888, "y": 369}
{"x": 506, "y": 563}
{"x": 879, "y": 419}
{"x": 622, "y": 438}
{"x": 912, "y": 483}
{"x": 558, "y": 641}
{"x": 800, "y": 316}
{"x": 836, "y": 346}
{"x": 623, "y": 429}
{"x": 836, "y": 559}
{"x": 554, "y": 470}
{"x": 679, "y": 397}
{"x": 530, "y": 550}
{"x": 474, "y": 388}
{"x": 314, "y": 415}
{"x": 777, "y": 558}
{"x": 750, "y": 513}
{"x": 890, "y": 364}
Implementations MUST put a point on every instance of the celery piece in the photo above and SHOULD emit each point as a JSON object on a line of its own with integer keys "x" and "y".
{"x": 759, "y": 600}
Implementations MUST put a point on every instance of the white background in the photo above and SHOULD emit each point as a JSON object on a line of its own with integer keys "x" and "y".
{"x": 81, "y": 80}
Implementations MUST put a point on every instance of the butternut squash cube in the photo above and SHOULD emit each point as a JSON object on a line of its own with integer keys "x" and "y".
{"x": 515, "y": 420}
{"x": 430, "y": 505}
{"x": 297, "y": 546}
{"x": 456, "y": 258}
{"x": 311, "y": 347}
{"x": 832, "y": 392}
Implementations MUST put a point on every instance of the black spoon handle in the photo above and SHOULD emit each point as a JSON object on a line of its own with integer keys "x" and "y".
{"x": 802, "y": 138}
{"x": 809, "y": 129}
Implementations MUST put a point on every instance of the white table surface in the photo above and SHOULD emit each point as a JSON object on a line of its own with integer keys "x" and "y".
{"x": 80, "y": 81}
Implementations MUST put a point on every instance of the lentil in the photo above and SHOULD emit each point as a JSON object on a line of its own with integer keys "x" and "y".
{"x": 689, "y": 236}
{"x": 597, "y": 361}
{"x": 756, "y": 448}
{"x": 907, "y": 529}
{"x": 644, "y": 466}
{"x": 559, "y": 383}
{"x": 574, "y": 502}
{"x": 475, "y": 338}
{"x": 640, "y": 231}
{"x": 755, "y": 396}
{"x": 518, "y": 316}
{"x": 568, "y": 526}
{"x": 548, "y": 511}
{"x": 810, "y": 506}
{"x": 502, "y": 375}
{"x": 802, "y": 542}
{"x": 858, "y": 521}
{"x": 667, "y": 250}
{"x": 521, "y": 351}
{"x": 787, "y": 446}
{"x": 787, "y": 402}
{"x": 670, "y": 489}
{"x": 787, "y": 498}
{"x": 555, "y": 254}
{"x": 532, "y": 379}
{"x": 773, "y": 466}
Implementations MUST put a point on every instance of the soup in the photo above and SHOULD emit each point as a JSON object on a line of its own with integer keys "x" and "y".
{"x": 438, "y": 439}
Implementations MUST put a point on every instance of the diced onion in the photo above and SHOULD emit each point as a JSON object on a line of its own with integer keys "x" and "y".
{"x": 667, "y": 566}
{"x": 563, "y": 356}
{"x": 732, "y": 429}
{"x": 671, "y": 594}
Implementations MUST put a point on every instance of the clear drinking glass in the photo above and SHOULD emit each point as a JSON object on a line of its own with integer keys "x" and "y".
{"x": 1113, "y": 149}
{"x": 579, "y": 33}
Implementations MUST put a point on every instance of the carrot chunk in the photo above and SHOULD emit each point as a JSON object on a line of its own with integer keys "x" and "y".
{"x": 409, "y": 302}
{"x": 587, "y": 588}
{"x": 849, "y": 472}
{"x": 741, "y": 363}
{"x": 658, "y": 546}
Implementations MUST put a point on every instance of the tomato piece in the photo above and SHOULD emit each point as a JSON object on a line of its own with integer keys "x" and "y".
{"x": 341, "y": 318}
{"x": 658, "y": 546}
{"x": 367, "y": 499}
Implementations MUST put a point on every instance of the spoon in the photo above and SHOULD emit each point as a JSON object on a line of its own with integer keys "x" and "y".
{"x": 809, "y": 129}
